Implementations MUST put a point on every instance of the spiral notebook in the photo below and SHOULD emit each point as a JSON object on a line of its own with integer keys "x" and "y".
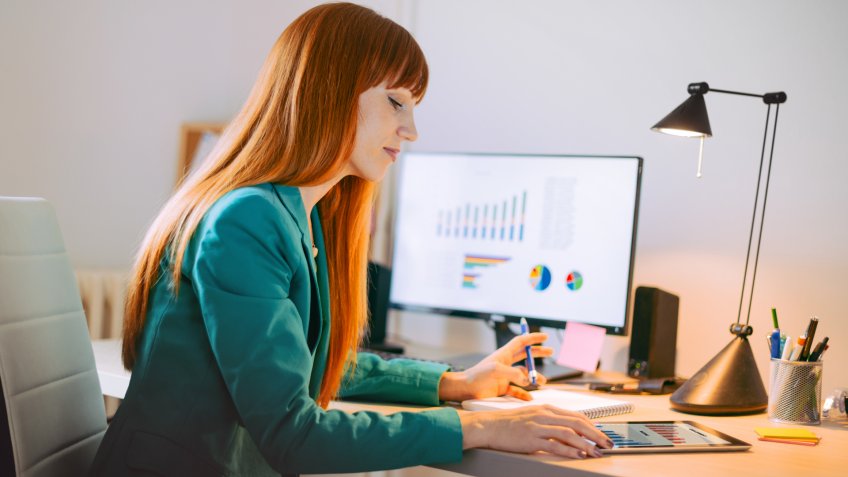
{"x": 590, "y": 405}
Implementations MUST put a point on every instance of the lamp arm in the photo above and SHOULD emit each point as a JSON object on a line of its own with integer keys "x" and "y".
{"x": 768, "y": 98}
{"x": 693, "y": 116}
{"x": 763, "y": 216}
{"x": 753, "y": 222}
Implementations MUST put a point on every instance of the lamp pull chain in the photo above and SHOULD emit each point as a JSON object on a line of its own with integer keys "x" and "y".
{"x": 700, "y": 157}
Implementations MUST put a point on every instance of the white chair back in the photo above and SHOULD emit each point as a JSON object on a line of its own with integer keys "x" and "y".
{"x": 52, "y": 418}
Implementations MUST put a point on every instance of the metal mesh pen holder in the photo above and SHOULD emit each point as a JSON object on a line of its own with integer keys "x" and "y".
{"x": 795, "y": 392}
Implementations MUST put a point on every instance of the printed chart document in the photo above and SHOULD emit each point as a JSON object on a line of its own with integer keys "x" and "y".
{"x": 590, "y": 405}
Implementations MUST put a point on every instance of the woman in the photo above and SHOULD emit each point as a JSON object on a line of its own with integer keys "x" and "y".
{"x": 247, "y": 300}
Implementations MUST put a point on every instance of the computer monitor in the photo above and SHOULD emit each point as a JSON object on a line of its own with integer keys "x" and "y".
{"x": 549, "y": 238}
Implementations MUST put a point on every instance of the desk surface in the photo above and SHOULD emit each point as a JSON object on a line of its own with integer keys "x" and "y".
{"x": 764, "y": 459}
{"x": 114, "y": 379}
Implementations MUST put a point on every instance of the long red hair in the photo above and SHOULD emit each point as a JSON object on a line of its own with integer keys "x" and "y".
{"x": 297, "y": 127}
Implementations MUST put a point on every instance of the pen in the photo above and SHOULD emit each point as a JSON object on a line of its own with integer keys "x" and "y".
{"x": 797, "y": 350}
{"x": 774, "y": 337}
{"x": 531, "y": 366}
{"x": 811, "y": 331}
{"x": 822, "y": 353}
{"x": 787, "y": 349}
{"x": 818, "y": 350}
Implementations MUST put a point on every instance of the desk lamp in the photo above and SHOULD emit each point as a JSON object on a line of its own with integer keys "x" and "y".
{"x": 730, "y": 382}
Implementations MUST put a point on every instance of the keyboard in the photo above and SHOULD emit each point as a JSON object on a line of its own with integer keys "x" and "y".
{"x": 388, "y": 356}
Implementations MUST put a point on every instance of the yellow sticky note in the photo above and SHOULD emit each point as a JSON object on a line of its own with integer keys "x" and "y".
{"x": 786, "y": 433}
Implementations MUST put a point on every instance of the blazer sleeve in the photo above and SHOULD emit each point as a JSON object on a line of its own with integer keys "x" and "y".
{"x": 240, "y": 266}
{"x": 396, "y": 380}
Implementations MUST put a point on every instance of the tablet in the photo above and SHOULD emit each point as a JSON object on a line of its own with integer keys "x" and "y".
{"x": 667, "y": 436}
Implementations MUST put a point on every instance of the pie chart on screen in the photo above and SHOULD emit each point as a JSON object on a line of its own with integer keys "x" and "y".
{"x": 540, "y": 277}
{"x": 574, "y": 281}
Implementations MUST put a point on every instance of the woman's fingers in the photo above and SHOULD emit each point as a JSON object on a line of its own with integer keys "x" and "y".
{"x": 515, "y": 374}
{"x": 514, "y": 350}
{"x": 553, "y": 446}
{"x": 519, "y": 375}
{"x": 532, "y": 429}
{"x": 536, "y": 351}
{"x": 519, "y": 393}
{"x": 519, "y": 342}
{"x": 540, "y": 378}
{"x": 567, "y": 436}
{"x": 580, "y": 424}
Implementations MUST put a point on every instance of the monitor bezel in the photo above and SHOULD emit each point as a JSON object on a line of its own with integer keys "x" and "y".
{"x": 532, "y": 321}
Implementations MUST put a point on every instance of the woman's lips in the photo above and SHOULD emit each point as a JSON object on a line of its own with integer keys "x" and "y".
{"x": 392, "y": 152}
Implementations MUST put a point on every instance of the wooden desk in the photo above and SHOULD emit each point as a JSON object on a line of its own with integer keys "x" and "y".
{"x": 763, "y": 459}
{"x": 767, "y": 459}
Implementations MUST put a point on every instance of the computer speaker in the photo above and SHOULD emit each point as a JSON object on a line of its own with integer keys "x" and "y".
{"x": 653, "y": 337}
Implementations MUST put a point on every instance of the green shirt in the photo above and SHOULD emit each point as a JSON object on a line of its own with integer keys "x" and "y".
{"x": 228, "y": 371}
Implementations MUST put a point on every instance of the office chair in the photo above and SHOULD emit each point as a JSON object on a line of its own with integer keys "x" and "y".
{"x": 52, "y": 417}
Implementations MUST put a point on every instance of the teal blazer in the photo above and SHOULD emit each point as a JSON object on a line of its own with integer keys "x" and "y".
{"x": 228, "y": 370}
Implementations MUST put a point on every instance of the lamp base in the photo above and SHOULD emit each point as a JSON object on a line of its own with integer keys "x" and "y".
{"x": 730, "y": 384}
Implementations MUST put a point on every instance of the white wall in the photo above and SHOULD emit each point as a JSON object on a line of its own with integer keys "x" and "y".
{"x": 592, "y": 77}
{"x": 92, "y": 94}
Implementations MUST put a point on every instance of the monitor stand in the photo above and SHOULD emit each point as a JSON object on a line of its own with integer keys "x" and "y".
{"x": 547, "y": 367}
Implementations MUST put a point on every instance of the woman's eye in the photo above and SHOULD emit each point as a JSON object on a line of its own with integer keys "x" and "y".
{"x": 396, "y": 104}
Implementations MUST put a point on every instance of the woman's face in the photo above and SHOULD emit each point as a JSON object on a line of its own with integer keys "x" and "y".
{"x": 385, "y": 121}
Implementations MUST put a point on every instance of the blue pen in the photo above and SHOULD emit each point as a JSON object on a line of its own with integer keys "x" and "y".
{"x": 775, "y": 336}
{"x": 531, "y": 366}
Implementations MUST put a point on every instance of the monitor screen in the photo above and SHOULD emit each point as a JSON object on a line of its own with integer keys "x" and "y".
{"x": 549, "y": 238}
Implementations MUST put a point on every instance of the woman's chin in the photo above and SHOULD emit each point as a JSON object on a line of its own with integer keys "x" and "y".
{"x": 375, "y": 175}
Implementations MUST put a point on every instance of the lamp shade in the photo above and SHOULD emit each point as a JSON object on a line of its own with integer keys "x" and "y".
{"x": 689, "y": 119}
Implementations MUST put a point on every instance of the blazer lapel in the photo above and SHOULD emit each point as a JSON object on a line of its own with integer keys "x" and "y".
{"x": 324, "y": 302}
{"x": 293, "y": 202}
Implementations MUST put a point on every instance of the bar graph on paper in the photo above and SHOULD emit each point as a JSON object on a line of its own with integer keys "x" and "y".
{"x": 493, "y": 221}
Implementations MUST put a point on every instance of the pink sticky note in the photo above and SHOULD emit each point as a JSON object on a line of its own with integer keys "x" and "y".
{"x": 581, "y": 346}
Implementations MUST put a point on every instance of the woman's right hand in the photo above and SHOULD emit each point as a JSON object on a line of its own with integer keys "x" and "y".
{"x": 531, "y": 429}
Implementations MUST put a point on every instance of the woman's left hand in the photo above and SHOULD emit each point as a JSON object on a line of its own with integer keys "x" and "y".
{"x": 495, "y": 375}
